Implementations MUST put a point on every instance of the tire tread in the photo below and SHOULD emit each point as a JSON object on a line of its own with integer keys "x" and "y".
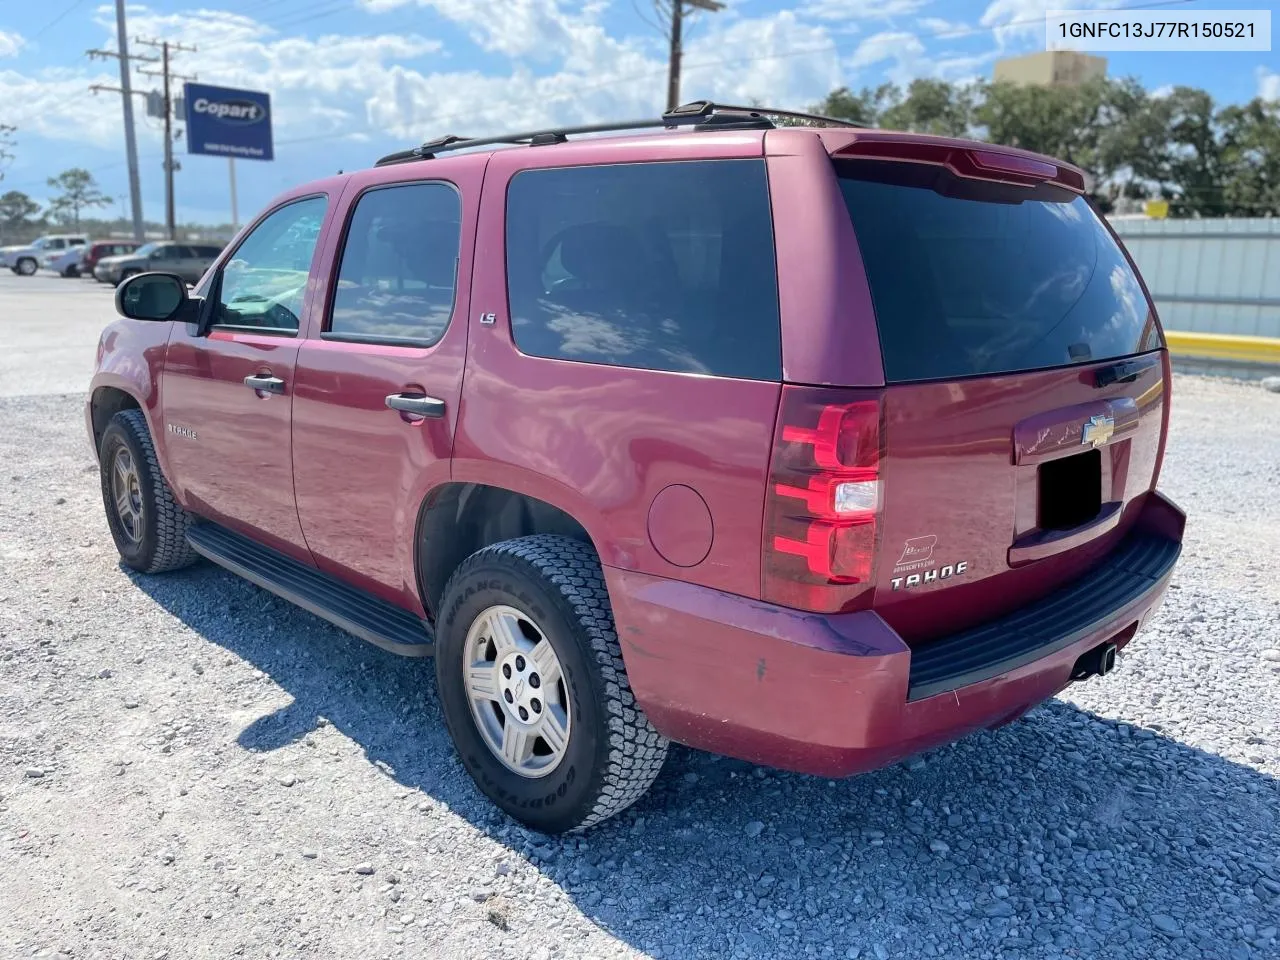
{"x": 636, "y": 751}
{"x": 172, "y": 551}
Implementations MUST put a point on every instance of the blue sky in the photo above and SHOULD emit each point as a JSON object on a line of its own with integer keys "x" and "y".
{"x": 353, "y": 79}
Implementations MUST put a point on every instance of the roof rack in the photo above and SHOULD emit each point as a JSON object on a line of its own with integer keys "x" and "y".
{"x": 700, "y": 114}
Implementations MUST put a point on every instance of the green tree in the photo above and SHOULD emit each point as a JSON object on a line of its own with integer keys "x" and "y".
{"x": 1059, "y": 121}
{"x": 1251, "y": 158}
{"x": 1195, "y": 160}
{"x": 931, "y": 106}
{"x": 17, "y": 209}
{"x": 863, "y": 107}
{"x": 77, "y": 191}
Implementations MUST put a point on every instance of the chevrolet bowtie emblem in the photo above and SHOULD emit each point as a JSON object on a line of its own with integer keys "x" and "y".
{"x": 1097, "y": 430}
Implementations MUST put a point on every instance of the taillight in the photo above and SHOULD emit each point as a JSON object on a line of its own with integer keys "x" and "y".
{"x": 823, "y": 500}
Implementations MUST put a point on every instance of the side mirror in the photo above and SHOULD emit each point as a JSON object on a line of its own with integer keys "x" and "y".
{"x": 154, "y": 296}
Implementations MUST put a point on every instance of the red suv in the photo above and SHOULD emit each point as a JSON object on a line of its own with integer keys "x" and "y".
{"x": 104, "y": 249}
{"x": 810, "y": 445}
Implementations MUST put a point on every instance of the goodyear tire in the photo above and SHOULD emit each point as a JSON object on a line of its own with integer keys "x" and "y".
{"x": 526, "y": 636}
{"x": 148, "y": 526}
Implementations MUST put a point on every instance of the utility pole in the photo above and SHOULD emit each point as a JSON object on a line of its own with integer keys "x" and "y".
{"x": 169, "y": 166}
{"x": 678, "y": 9}
{"x": 130, "y": 139}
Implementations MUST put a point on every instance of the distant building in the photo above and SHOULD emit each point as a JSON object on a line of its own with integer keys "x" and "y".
{"x": 1051, "y": 68}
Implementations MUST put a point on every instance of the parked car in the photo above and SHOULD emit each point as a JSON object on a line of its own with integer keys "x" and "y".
{"x": 65, "y": 263}
{"x": 186, "y": 260}
{"x": 24, "y": 259}
{"x": 813, "y": 446}
{"x": 105, "y": 248}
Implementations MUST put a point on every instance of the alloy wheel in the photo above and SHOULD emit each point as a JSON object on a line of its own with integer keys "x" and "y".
{"x": 126, "y": 492}
{"x": 515, "y": 685}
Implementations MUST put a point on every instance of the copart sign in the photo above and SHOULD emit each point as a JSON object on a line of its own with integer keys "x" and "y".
{"x": 225, "y": 122}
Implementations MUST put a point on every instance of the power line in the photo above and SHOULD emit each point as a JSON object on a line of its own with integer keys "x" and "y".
{"x": 55, "y": 21}
{"x": 126, "y": 98}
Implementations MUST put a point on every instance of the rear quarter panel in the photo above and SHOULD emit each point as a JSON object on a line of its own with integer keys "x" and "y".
{"x": 601, "y": 442}
{"x": 828, "y": 322}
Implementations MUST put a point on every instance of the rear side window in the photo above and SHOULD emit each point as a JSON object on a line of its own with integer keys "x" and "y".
{"x": 399, "y": 265}
{"x": 970, "y": 279}
{"x": 662, "y": 266}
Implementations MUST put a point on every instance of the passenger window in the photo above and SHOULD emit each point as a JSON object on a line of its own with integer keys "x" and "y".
{"x": 263, "y": 284}
{"x": 664, "y": 266}
{"x": 399, "y": 265}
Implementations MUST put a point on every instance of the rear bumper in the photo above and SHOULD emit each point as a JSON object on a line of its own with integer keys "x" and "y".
{"x": 838, "y": 694}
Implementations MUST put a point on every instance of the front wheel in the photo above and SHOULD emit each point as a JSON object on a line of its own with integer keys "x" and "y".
{"x": 26, "y": 267}
{"x": 147, "y": 524}
{"x": 533, "y": 686}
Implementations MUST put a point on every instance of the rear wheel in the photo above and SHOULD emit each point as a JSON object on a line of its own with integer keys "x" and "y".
{"x": 148, "y": 526}
{"x": 71, "y": 272}
{"x": 25, "y": 267}
{"x": 534, "y": 690}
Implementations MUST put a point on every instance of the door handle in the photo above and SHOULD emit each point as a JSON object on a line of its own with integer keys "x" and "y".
{"x": 264, "y": 382}
{"x": 417, "y": 404}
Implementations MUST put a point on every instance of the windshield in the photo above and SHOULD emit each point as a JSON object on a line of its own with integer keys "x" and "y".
{"x": 146, "y": 249}
{"x": 972, "y": 279}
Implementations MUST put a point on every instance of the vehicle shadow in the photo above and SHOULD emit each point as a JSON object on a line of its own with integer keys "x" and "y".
{"x": 1064, "y": 834}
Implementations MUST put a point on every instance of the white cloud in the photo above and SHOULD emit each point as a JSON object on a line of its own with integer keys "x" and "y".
{"x": 317, "y": 86}
{"x": 901, "y": 56}
{"x": 538, "y": 29}
{"x": 861, "y": 9}
{"x": 1015, "y": 22}
{"x": 940, "y": 27}
{"x": 1160, "y": 92}
{"x": 602, "y": 78}
{"x": 901, "y": 49}
{"x": 11, "y": 44}
{"x": 1268, "y": 84}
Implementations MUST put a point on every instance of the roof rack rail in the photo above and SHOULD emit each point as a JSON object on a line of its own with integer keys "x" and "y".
{"x": 699, "y": 113}
{"x": 707, "y": 112}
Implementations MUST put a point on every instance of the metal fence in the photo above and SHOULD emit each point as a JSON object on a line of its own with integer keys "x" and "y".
{"x": 1210, "y": 276}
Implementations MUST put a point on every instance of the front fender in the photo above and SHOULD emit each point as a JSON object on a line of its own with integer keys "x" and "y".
{"x": 130, "y": 359}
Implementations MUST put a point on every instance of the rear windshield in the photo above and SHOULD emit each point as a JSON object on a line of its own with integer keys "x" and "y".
{"x": 971, "y": 279}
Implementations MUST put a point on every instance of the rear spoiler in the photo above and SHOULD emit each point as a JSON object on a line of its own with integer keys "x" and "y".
{"x": 971, "y": 161}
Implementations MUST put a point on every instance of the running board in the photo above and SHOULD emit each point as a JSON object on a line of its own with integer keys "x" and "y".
{"x": 354, "y": 610}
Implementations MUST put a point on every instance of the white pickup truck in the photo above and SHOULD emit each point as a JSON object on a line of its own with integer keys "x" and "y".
{"x": 25, "y": 259}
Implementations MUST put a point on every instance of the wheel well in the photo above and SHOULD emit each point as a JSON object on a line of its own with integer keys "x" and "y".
{"x": 460, "y": 518}
{"x": 107, "y": 402}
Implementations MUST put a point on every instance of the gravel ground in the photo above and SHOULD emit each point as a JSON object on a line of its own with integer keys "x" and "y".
{"x": 193, "y": 768}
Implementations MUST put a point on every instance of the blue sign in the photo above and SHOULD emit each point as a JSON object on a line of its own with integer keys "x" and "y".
{"x": 223, "y": 122}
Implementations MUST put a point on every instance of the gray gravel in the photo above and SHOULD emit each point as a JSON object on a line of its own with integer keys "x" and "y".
{"x": 190, "y": 765}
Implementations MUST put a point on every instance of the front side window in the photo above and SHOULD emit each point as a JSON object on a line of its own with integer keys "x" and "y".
{"x": 263, "y": 284}
{"x": 661, "y": 266}
{"x": 399, "y": 265}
